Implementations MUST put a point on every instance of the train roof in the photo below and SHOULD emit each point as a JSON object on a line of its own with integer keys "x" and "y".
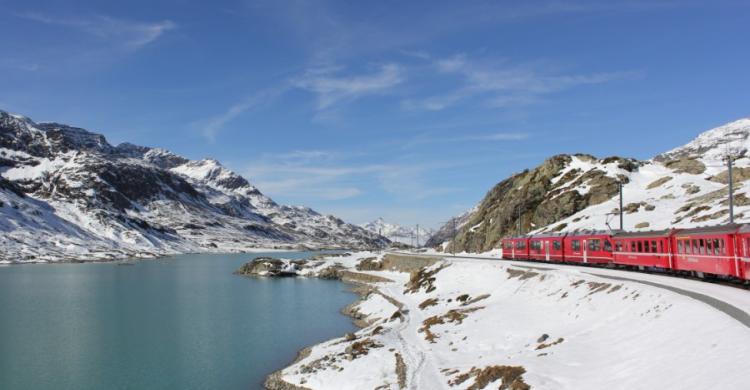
{"x": 589, "y": 233}
{"x": 549, "y": 235}
{"x": 649, "y": 234}
{"x": 718, "y": 229}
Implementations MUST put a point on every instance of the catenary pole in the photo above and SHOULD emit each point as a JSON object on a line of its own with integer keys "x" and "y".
{"x": 621, "y": 212}
{"x": 731, "y": 189}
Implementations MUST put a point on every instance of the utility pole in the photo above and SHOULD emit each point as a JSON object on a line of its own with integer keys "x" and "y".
{"x": 731, "y": 190}
{"x": 619, "y": 183}
{"x": 518, "y": 212}
{"x": 455, "y": 235}
{"x": 417, "y": 235}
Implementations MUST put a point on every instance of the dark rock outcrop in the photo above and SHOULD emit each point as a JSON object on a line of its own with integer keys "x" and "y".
{"x": 538, "y": 197}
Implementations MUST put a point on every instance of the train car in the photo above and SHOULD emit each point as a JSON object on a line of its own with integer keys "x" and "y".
{"x": 742, "y": 250}
{"x": 546, "y": 247}
{"x": 643, "y": 249}
{"x": 590, "y": 248}
{"x": 516, "y": 248}
{"x": 711, "y": 250}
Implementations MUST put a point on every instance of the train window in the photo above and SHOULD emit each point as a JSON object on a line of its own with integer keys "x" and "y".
{"x": 661, "y": 247}
{"x": 702, "y": 246}
{"x": 653, "y": 247}
{"x": 723, "y": 248}
{"x": 595, "y": 245}
{"x": 508, "y": 245}
{"x": 556, "y": 245}
{"x": 607, "y": 246}
{"x": 640, "y": 246}
{"x": 717, "y": 249}
{"x": 679, "y": 246}
{"x": 575, "y": 245}
{"x": 618, "y": 246}
{"x": 695, "y": 250}
{"x": 536, "y": 245}
{"x": 645, "y": 246}
{"x": 520, "y": 244}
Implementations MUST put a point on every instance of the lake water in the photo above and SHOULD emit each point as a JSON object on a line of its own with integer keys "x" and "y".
{"x": 183, "y": 322}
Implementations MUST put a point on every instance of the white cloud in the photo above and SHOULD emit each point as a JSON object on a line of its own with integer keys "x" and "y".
{"x": 501, "y": 84}
{"x": 210, "y": 128}
{"x": 331, "y": 89}
{"x": 128, "y": 34}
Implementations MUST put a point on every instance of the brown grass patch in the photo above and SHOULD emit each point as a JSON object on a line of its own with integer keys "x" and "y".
{"x": 595, "y": 287}
{"x": 400, "y": 371}
{"x": 511, "y": 377}
{"x": 456, "y": 316}
{"x": 547, "y": 345}
{"x": 520, "y": 274}
{"x": 427, "y": 303}
{"x": 423, "y": 278}
{"x": 475, "y": 299}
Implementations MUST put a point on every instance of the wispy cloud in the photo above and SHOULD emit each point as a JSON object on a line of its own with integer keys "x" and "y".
{"x": 502, "y": 84}
{"x": 210, "y": 127}
{"x": 332, "y": 88}
{"x": 324, "y": 175}
{"x": 428, "y": 138}
{"x": 129, "y": 34}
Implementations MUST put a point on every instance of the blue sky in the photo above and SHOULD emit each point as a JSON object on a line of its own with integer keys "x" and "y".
{"x": 406, "y": 110}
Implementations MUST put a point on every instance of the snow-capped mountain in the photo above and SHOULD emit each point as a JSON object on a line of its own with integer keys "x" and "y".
{"x": 398, "y": 233}
{"x": 684, "y": 187}
{"x": 67, "y": 194}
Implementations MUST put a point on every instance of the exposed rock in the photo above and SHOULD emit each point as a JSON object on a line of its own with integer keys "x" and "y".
{"x": 539, "y": 197}
{"x": 739, "y": 174}
{"x": 370, "y": 264}
{"x": 269, "y": 266}
{"x": 686, "y": 165}
{"x": 658, "y": 182}
{"x": 691, "y": 189}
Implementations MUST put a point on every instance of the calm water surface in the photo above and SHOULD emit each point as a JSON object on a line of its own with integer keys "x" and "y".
{"x": 183, "y": 322}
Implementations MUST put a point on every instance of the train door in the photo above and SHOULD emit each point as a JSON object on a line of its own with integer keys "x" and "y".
{"x": 585, "y": 252}
{"x": 546, "y": 250}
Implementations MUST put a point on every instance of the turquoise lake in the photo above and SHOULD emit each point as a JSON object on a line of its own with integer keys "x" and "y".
{"x": 181, "y": 322}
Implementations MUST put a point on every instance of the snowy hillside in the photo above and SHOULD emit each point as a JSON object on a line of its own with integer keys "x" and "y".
{"x": 398, "y": 233}
{"x": 684, "y": 187}
{"x": 488, "y": 324}
{"x": 67, "y": 194}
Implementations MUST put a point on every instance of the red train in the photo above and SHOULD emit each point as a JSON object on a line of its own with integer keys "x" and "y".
{"x": 722, "y": 251}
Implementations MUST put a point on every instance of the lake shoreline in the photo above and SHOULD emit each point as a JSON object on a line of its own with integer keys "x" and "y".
{"x": 360, "y": 283}
{"x": 440, "y": 323}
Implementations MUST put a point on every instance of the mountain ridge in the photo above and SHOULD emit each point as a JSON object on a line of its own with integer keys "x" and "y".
{"x": 130, "y": 200}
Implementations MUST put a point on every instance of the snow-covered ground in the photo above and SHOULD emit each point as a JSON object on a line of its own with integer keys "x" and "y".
{"x": 483, "y": 323}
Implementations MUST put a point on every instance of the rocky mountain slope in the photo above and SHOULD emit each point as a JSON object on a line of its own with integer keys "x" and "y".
{"x": 398, "y": 233}
{"x": 67, "y": 194}
{"x": 684, "y": 187}
{"x": 450, "y": 229}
